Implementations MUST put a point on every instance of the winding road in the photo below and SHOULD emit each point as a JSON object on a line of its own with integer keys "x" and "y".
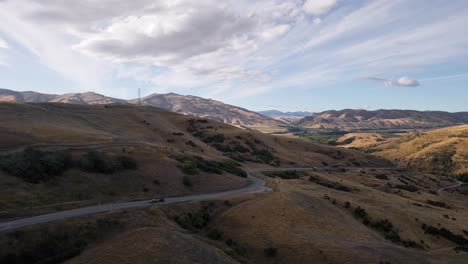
{"x": 440, "y": 191}
{"x": 255, "y": 185}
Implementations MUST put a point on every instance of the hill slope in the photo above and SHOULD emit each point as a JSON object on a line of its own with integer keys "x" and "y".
{"x": 287, "y": 117}
{"x": 441, "y": 150}
{"x": 184, "y": 104}
{"x": 194, "y": 105}
{"x": 350, "y": 119}
{"x": 157, "y": 139}
{"x": 351, "y": 206}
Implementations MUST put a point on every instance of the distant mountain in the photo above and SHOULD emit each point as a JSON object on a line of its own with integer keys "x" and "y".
{"x": 350, "y": 119}
{"x": 85, "y": 98}
{"x": 185, "y": 104}
{"x": 215, "y": 110}
{"x": 71, "y": 98}
{"x": 287, "y": 117}
{"x": 13, "y": 96}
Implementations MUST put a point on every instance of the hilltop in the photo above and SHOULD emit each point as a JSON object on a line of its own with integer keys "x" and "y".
{"x": 208, "y": 108}
{"x": 351, "y": 119}
{"x": 441, "y": 150}
{"x": 184, "y": 104}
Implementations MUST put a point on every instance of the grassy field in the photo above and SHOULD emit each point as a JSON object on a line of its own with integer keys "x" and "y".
{"x": 442, "y": 151}
{"x": 153, "y": 138}
{"x": 301, "y": 221}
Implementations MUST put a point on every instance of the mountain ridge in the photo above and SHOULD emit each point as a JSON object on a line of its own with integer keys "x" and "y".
{"x": 184, "y": 104}
{"x": 359, "y": 119}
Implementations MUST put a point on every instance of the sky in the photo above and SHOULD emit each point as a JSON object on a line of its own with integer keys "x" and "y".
{"x": 311, "y": 55}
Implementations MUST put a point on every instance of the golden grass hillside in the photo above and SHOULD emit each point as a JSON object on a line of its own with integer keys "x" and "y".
{"x": 158, "y": 140}
{"x": 302, "y": 221}
{"x": 442, "y": 150}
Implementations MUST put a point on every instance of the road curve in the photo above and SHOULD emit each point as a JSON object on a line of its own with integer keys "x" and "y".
{"x": 256, "y": 185}
{"x": 441, "y": 190}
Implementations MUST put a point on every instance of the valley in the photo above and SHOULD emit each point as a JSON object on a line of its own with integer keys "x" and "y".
{"x": 104, "y": 165}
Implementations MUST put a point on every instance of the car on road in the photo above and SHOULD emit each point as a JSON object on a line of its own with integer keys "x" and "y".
{"x": 157, "y": 200}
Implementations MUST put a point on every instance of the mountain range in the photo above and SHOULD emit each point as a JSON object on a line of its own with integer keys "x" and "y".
{"x": 347, "y": 119}
{"x": 352, "y": 119}
{"x": 287, "y": 117}
{"x": 184, "y": 104}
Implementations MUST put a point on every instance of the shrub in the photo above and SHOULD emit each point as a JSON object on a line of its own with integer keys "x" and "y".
{"x": 270, "y": 252}
{"x": 218, "y": 138}
{"x": 215, "y": 234}
{"x": 186, "y": 181}
{"x": 409, "y": 188}
{"x": 127, "y": 163}
{"x": 360, "y": 213}
{"x": 438, "y": 204}
{"x": 230, "y": 242}
{"x": 94, "y": 162}
{"x": 191, "y": 143}
{"x": 188, "y": 167}
{"x": 463, "y": 177}
{"x": 347, "y": 204}
{"x": 381, "y": 176}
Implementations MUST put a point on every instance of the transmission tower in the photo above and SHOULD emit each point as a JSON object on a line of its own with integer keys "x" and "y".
{"x": 139, "y": 96}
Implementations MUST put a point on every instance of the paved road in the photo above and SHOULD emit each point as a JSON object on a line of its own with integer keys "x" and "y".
{"x": 440, "y": 191}
{"x": 255, "y": 185}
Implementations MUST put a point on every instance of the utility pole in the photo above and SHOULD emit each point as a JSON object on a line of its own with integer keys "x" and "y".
{"x": 139, "y": 96}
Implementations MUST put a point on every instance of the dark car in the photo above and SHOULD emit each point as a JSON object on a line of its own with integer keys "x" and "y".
{"x": 160, "y": 200}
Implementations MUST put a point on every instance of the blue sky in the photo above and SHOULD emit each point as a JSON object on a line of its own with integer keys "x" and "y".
{"x": 308, "y": 55}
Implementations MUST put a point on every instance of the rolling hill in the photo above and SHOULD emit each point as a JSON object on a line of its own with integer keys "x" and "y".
{"x": 351, "y": 205}
{"x": 442, "y": 150}
{"x": 184, "y": 104}
{"x": 351, "y": 119}
{"x": 194, "y": 105}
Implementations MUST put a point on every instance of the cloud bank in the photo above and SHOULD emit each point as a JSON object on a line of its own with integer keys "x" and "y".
{"x": 402, "y": 81}
{"x": 234, "y": 48}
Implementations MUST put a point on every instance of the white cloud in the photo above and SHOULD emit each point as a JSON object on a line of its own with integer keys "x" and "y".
{"x": 3, "y": 47}
{"x": 3, "y": 44}
{"x": 235, "y": 48}
{"x": 402, "y": 81}
{"x": 318, "y": 7}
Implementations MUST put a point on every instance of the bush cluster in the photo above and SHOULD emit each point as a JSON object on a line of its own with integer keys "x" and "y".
{"x": 194, "y": 220}
{"x": 286, "y": 175}
{"x": 191, "y": 165}
{"x": 409, "y": 188}
{"x": 37, "y": 166}
{"x": 463, "y": 177}
{"x": 100, "y": 163}
{"x": 438, "y": 204}
{"x": 329, "y": 184}
{"x": 54, "y": 245}
{"x": 443, "y": 232}
{"x": 385, "y": 227}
